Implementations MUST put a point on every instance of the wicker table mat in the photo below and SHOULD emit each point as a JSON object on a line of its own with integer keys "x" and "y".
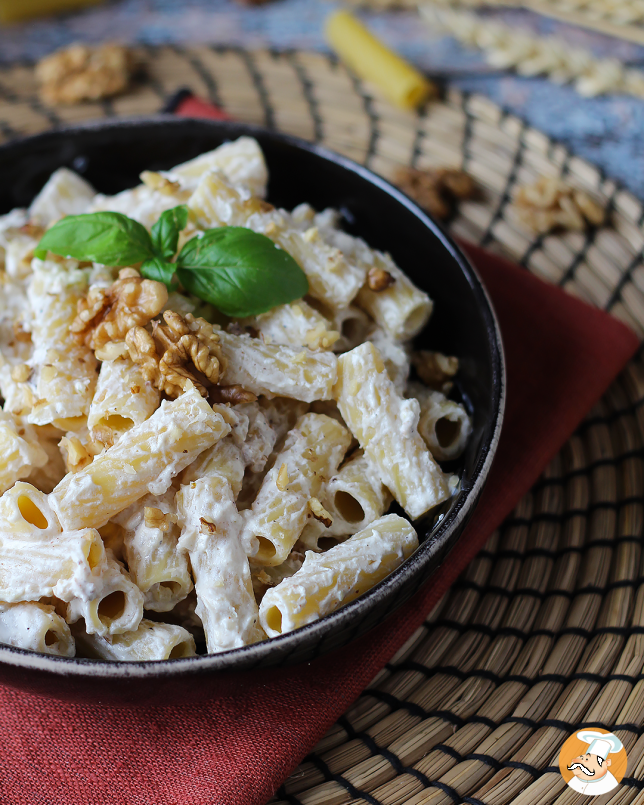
{"x": 544, "y": 631}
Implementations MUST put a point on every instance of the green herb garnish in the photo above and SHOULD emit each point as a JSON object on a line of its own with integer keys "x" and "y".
{"x": 240, "y": 272}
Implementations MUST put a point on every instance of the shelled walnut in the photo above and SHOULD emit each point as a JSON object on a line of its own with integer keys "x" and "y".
{"x": 166, "y": 354}
{"x": 436, "y": 190}
{"x": 549, "y": 203}
{"x": 82, "y": 73}
{"x": 107, "y": 314}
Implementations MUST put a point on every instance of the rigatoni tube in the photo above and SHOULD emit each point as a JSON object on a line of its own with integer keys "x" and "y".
{"x": 328, "y": 580}
{"x": 211, "y": 535}
{"x": 147, "y": 461}
{"x": 387, "y": 428}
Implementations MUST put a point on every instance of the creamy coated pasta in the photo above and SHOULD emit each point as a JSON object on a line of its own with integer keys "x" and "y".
{"x": 175, "y": 480}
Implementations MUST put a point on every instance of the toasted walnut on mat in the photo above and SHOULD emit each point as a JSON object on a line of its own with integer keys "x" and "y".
{"x": 550, "y": 204}
{"x": 81, "y": 73}
{"x": 436, "y": 190}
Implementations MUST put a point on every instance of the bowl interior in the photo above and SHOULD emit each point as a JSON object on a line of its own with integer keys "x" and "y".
{"x": 112, "y": 155}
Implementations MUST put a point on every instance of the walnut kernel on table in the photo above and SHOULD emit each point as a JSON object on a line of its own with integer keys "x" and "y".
{"x": 436, "y": 190}
{"x": 550, "y": 204}
{"x": 82, "y": 73}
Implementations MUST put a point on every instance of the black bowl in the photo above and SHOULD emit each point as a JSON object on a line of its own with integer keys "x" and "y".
{"x": 111, "y": 155}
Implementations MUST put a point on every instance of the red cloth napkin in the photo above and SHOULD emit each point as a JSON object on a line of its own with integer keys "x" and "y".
{"x": 236, "y": 750}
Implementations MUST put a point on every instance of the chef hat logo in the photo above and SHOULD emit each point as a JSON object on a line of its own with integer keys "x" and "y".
{"x": 593, "y": 761}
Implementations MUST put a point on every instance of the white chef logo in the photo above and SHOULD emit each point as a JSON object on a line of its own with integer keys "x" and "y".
{"x": 593, "y": 762}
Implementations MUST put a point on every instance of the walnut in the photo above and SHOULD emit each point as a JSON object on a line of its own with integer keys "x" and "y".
{"x": 207, "y": 527}
{"x": 282, "y": 479}
{"x": 77, "y": 454}
{"x": 81, "y": 73}
{"x": 20, "y": 334}
{"x": 549, "y": 204}
{"x": 156, "y": 518}
{"x": 434, "y": 368}
{"x": 379, "y": 280}
{"x": 436, "y": 190}
{"x": 107, "y": 314}
{"x": 320, "y": 513}
{"x": 231, "y": 394}
{"x": 32, "y": 230}
{"x": 155, "y": 181}
{"x": 21, "y": 372}
{"x": 164, "y": 354}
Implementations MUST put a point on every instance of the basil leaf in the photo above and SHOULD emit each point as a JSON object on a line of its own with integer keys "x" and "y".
{"x": 240, "y": 272}
{"x": 102, "y": 237}
{"x": 156, "y": 268}
{"x": 165, "y": 233}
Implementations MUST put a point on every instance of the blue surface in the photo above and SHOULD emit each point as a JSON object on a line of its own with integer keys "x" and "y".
{"x": 607, "y": 131}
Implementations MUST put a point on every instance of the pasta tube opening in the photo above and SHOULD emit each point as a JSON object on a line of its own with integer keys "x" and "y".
{"x": 183, "y": 649}
{"x": 348, "y": 507}
{"x": 447, "y": 431}
{"x": 31, "y": 513}
{"x": 112, "y": 608}
{"x": 274, "y": 619}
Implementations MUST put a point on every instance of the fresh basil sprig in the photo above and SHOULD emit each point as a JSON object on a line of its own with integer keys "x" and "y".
{"x": 239, "y": 271}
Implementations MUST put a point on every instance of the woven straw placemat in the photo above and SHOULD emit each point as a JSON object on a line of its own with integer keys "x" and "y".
{"x": 544, "y": 632}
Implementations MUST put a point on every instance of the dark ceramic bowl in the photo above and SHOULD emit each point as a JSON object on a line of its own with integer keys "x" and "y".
{"x": 111, "y": 156}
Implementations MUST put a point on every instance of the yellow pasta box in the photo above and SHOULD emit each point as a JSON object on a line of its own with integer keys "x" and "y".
{"x": 373, "y": 61}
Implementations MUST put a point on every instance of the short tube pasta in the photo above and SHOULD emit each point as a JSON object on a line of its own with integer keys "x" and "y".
{"x": 328, "y": 580}
{"x": 149, "y": 641}
{"x": 387, "y": 428}
{"x": 123, "y": 398}
{"x": 35, "y": 627}
{"x": 444, "y": 424}
{"x": 402, "y": 309}
{"x": 117, "y": 608}
{"x": 68, "y": 566}
{"x": 275, "y": 369}
{"x": 212, "y": 535}
{"x": 150, "y": 549}
{"x": 64, "y": 371}
{"x": 20, "y": 450}
{"x": 25, "y": 511}
{"x": 153, "y": 453}
{"x": 313, "y": 451}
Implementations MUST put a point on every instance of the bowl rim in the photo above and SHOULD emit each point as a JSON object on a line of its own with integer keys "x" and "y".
{"x": 249, "y": 657}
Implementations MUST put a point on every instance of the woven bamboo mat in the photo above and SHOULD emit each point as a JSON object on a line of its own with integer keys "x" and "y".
{"x": 544, "y": 631}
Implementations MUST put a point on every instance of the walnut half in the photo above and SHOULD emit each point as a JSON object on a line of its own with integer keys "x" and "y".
{"x": 549, "y": 204}
{"x": 173, "y": 356}
{"x": 437, "y": 189}
{"x": 81, "y": 73}
{"x": 107, "y": 314}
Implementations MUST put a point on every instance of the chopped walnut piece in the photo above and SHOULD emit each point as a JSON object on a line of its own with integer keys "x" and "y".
{"x": 434, "y": 368}
{"x": 21, "y": 372}
{"x": 231, "y": 394}
{"x": 379, "y": 280}
{"x": 155, "y": 181}
{"x": 156, "y": 518}
{"x": 107, "y": 314}
{"x": 282, "y": 478}
{"x": 206, "y": 526}
{"x": 76, "y": 454}
{"x": 32, "y": 230}
{"x": 164, "y": 354}
{"x": 549, "y": 204}
{"x": 436, "y": 190}
{"x": 20, "y": 334}
{"x": 320, "y": 513}
{"x": 81, "y": 73}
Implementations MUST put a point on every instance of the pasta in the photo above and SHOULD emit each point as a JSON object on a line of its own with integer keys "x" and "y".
{"x": 176, "y": 481}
